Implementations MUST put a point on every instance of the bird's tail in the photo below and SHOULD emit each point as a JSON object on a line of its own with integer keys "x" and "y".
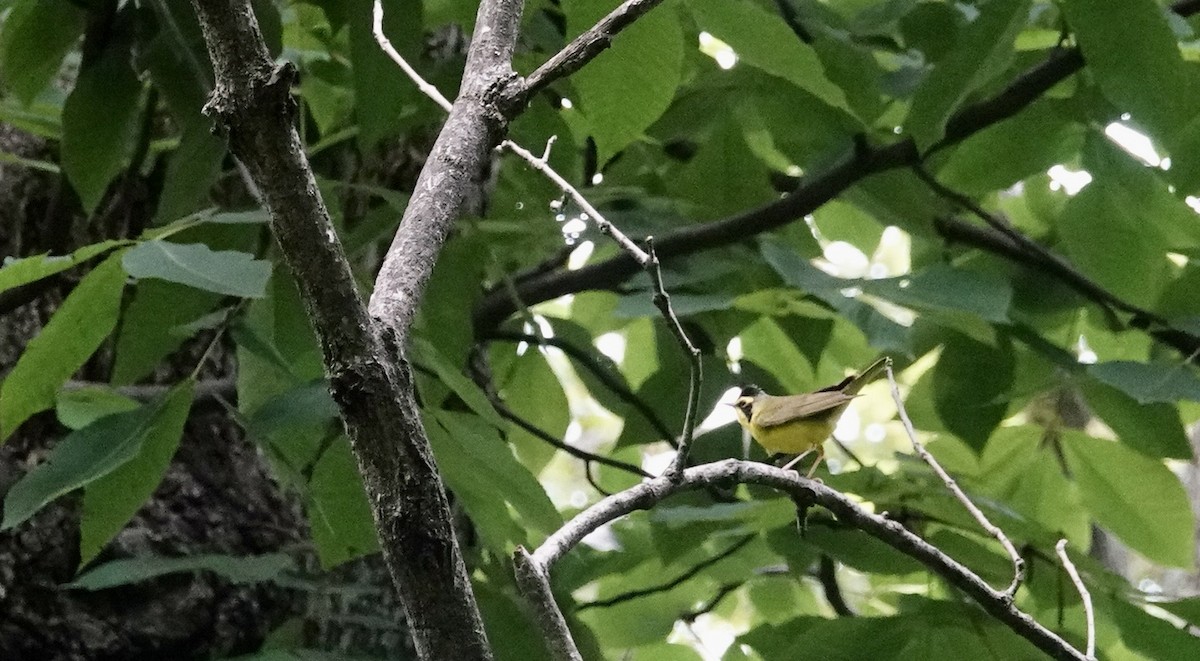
{"x": 864, "y": 377}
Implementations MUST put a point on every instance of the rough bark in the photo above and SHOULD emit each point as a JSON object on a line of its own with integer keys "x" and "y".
{"x": 369, "y": 378}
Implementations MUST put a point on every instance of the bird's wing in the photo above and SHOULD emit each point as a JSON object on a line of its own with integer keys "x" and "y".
{"x": 797, "y": 407}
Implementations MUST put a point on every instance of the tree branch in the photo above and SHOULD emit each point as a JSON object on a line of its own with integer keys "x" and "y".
{"x": 1008, "y": 241}
{"x": 454, "y": 168}
{"x": 662, "y": 301}
{"x": 992, "y": 529}
{"x": 814, "y": 191}
{"x": 549, "y": 439}
{"x": 374, "y": 391}
{"x": 650, "y": 493}
{"x": 587, "y": 46}
{"x": 1086, "y": 596}
{"x": 535, "y": 585}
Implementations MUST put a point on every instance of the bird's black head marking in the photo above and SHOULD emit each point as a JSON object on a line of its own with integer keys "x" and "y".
{"x": 750, "y": 390}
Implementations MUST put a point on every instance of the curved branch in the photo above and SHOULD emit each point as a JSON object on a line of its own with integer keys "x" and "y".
{"x": 1084, "y": 595}
{"x": 976, "y": 513}
{"x": 650, "y": 493}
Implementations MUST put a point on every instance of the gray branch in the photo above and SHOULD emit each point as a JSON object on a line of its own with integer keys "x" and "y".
{"x": 731, "y": 471}
{"x": 455, "y": 167}
{"x": 588, "y": 45}
{"x": 252, "y": 104}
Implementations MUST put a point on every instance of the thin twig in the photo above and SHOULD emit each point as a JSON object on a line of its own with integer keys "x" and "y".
{"x": 662, "y": 300}
{"x": 669, "y": 585}
{"x": 708, "y": 606}
{"x": 588, "y": 45}
{"x": 587, "y": 473}
{"x": 549, "y": 439}
{"x": 1086, "y": 596}
{"x": 992, "y": 529}
{"x": 581, "y": 356}
{"x": 602, "y": 223}
{"x": 827, "y": 575}
{"x": 845, "y": 450}
{"x": 426, "y": 88}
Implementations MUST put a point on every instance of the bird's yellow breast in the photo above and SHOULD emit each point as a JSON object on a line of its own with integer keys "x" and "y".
{"x": 793, "y": 437}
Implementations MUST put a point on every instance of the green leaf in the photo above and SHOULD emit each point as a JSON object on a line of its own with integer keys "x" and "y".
{"x": 947, "y": 288}
{"x": 766, "y": 344}
{"x": 1007, "y": 152}
{"x": 1024, "y": 474}
{"x": 36, "y": 36}
{"x": 1133, "y": 55}
{"x": 71, "y": 336}
{"x": 383, "y": 96}
{"x": 491, "y": 515}
{"x": 764, "y": 513}
{"x": 762, "y": 40}
{"x": 532, "y": 391}
{"x": 427, "y": 355}
{"x": 339, "y": 513}
{"x": 725, "y": 177}
{"x": 80, "y": 407}
{"x": 883, "y": 333}
{"x": 1153, "y": 637}
{"x": 859, "y": 550}
{"x": 1092, "y": 225}
{"x": 1153, "y": 429}
{"x": 1140, "y": 196}
{"x": 196, "y": 265}
{"x": 111, "y": 500}
{"x": 91, "y": 453}
{"x": 971, "y": 384}
{"x": 620, "y": 95}
{"x": 236, "y": 569}
{"x": 1139, "y": 499}
{"x": 476, "y": 452}
{"x": 18, "y": 272}
{"x": 1149, "y": 382}
{"x": 307, "y": 405}
{"x": 984, "y": 48}
{"x": 192, "y": 170}
{"x": 148, "y": 332}
{"x": 100, "y": 121}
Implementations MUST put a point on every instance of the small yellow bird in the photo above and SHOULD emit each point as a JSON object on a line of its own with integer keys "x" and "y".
{"x": 799, "y": 424}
